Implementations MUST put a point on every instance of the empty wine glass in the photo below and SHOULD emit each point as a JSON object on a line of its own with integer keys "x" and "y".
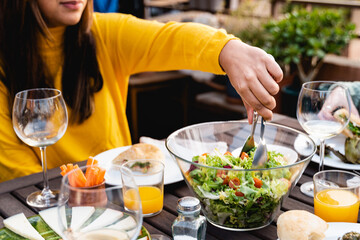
{"x": 100, "y": 211}
{"x": 317, "y": 102}
{"x": 40, "y": 119}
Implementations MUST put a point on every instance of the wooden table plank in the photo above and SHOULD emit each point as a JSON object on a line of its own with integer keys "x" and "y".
{"x": 267, "y": 233}
{"x": 224, "y": 234}
{"x": 162, "y": 221}
{"x": 290, "y": 203}
{"x": 22, "y": 193}
{"x": 9, "y": 206}
{"x": 299, "y": 196}
{"x": 25, "y": 181}
{"x": 170, "y": 203}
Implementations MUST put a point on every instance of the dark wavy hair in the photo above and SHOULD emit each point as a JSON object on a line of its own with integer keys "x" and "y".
{"x": 22, "y": 67}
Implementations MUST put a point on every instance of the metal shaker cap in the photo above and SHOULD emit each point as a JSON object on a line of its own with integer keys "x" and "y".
{"x": 188, "y": 204}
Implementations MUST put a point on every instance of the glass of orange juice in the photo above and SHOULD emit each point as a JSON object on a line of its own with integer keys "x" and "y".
{"x": 149, "y": 176}
{"x": 336, "y": 195}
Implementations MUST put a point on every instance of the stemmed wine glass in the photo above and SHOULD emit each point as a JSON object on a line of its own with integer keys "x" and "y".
{"x": 40, "y": 119}
{"x": 317, "y": 102}
{"x": 107, "y": 212}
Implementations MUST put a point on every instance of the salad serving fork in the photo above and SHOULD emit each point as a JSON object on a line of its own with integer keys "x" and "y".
{"x": 260, "y": 155}
{"x": 250, "y": 143}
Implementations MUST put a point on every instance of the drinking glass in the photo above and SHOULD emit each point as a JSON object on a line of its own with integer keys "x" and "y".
{"x": 315, "y": 99}
{"x": 149, "y": 176}
{"x": 98, "y": 212}
{"x": 336, "y": 196}
{"x": 40, "y": 119}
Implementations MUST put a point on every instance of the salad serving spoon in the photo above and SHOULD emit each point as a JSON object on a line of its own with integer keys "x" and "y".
{"x": 250, "y": 143}
{"x": 260, "y": 155}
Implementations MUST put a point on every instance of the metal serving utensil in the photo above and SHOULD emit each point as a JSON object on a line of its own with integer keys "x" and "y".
{"x": 250, "y": 143}
{"x": 260, "y": 156}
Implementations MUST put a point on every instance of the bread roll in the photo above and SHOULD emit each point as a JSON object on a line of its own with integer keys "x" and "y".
{"x": 139, "y": 151}
{"x": 300, "y": 225}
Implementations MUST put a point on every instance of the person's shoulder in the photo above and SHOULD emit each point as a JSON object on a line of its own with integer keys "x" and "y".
{"x": 108, "y": 23}
{"x": 103, "y": 18}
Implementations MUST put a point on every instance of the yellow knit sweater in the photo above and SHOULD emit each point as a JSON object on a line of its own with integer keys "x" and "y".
{"x": 125, "y": 45}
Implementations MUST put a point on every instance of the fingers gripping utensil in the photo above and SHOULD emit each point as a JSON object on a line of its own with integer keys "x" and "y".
{"x": 250, "y": 143}
{"x": 260, "y": 156}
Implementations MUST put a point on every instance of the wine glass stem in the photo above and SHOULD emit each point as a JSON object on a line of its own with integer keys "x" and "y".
{"x": 322, "y": 155}
{"x": 44, "y": 167}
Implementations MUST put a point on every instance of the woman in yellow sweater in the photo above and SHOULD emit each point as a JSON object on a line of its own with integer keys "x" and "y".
{"x": 90, "y": 56}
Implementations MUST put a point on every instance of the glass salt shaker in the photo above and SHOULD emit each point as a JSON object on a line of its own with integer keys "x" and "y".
{"x": 189, "y": 225}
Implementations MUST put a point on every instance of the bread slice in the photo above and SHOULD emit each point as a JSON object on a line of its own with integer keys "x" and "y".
{"x": 139, "y": 151}
{"x": 300, "y": 225}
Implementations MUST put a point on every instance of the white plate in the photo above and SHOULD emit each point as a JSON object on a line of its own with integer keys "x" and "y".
{"x": 172, "y": 172}
{"x": 338, "y": 229}
{"x": 331, "y": 160}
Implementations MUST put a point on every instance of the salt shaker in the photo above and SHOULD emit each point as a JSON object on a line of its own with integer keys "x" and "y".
{"x": 189, "y": 225}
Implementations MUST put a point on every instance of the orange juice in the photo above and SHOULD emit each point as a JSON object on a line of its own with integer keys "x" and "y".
{"x": 152, "y": 199}
{"x": 335, "y": 205}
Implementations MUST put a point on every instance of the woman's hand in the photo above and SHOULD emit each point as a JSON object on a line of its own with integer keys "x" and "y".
{"x": 332, "y": 104}
{"x": 254, "y": 74}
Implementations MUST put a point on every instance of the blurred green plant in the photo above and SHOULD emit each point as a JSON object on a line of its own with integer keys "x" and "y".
{"x": 301, "y": 39}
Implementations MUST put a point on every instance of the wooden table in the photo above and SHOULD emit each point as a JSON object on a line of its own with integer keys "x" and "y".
{"x": 13, "y": 194}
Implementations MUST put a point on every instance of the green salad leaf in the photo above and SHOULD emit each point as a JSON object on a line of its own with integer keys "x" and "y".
{"x": 239, "y": 199}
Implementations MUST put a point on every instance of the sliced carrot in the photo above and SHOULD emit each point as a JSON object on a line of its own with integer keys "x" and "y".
{"x": 63, "y": 170}
{"x": 88, "y": 172}
{"x": 101, "y": 175}
{"x": 91, "y": 161}
{"x": 63, "y": 167}
{"x": 72, "y": 180}
{"x": 94, "y": 174}
{"x": 79, "y": 176}
{"x": 91, "y": 176}
{"x": 69, "y": 167}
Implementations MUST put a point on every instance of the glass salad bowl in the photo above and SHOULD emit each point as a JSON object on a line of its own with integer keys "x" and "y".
{"x": 232, "y": 194}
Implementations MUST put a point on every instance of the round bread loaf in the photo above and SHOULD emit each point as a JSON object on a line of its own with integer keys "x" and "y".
{"x": 300, "y": 225}
{"x": 139, "y": 151}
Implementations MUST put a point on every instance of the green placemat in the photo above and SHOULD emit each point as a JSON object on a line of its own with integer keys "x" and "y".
{"x": 46, "y": 232}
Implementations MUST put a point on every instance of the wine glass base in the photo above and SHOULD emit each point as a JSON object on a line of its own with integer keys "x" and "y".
{"x": 39, "y": 200}
{"x": 307, "y": 188}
